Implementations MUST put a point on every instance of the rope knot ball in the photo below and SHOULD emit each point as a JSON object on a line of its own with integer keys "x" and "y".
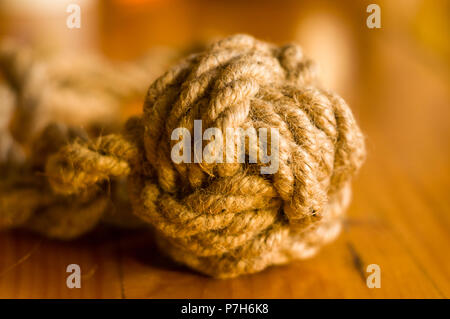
{"x": 228, "y": 219}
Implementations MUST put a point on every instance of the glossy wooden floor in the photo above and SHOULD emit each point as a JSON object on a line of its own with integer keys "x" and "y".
{"x": 399, "y": 217}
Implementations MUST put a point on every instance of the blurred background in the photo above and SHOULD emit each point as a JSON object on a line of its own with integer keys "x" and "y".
{"x": 334, "y": 33}
{"x": 396, "y": 79}
{"x": 358, "y": 62}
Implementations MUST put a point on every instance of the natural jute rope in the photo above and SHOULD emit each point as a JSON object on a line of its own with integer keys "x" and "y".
{"x": 47, "y": 100}
{"x": 228, "y": 219}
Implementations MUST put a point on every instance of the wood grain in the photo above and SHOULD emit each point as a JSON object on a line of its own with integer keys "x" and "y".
{"x": 399, "y": 217}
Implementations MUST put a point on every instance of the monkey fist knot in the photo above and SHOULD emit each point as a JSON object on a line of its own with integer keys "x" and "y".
{"x": 226, "y": 219}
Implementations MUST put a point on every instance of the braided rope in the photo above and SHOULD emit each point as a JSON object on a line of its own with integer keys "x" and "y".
{"x": 45, "y": 99}
{"x": 228, "y": 219}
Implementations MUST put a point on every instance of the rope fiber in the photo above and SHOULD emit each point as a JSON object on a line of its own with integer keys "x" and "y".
{"x": 224, "y": 219}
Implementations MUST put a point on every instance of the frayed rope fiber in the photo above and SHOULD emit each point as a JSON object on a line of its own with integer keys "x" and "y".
{"x": 228, "y": 219}
{"x": 48, "y": 99}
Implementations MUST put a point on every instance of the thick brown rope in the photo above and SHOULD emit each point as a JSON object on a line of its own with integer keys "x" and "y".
{"x": 45, "y": 99}
{"x": 228, "y": 219}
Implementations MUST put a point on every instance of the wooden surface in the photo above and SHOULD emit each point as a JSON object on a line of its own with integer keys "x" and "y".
{"x": 399, "y": 217}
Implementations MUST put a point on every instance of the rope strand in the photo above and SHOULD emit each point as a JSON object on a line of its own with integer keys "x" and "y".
{"x": 228, "y": 219}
